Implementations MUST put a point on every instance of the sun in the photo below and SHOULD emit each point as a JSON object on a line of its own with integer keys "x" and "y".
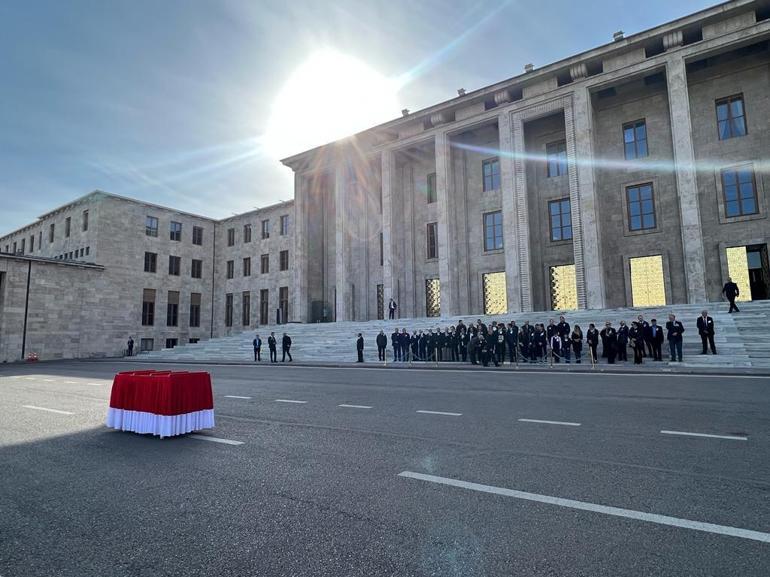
{"x": 329, "y": 96}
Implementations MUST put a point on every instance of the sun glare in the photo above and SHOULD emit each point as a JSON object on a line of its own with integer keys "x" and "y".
{"x": 328, "y": 97}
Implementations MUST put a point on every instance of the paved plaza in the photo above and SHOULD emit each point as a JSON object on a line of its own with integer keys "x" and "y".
{"x": 347, "y": 471}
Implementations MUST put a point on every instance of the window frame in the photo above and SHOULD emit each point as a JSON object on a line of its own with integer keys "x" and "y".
{"x": 628, "y": 201}
{"x": 494, "y": 227}
{"x": 431, "y": 233}
{"x": 151, "y": 224}
{"x": 230, "y": 269}
{"x": 492, "y": 161}
{"x": 634, "y": 124}
{"x": 196, "y": 265}
{"x": 247, "y": 266}
{"x": 230, "y": 237}
{"x": 175, "y": 231}
{"x": 283, "y": 260}
{"x": 265, "y": 228}
{"x": 284, "y": 226}
{"x": 174, "y": 265}
{"x": 723, "y": 196}
{"x": 558, "y": 162}
{"x": 150, "y": 262}
{"x": 431, "y": 196}
{"x": 246, "y": 233}
{"x": 197, "y": 235}
{"x": 560, "y": 201}
{"x": 728, "y": 100}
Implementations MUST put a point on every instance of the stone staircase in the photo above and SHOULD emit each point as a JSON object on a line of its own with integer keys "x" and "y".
{"x": 742, "y": 340}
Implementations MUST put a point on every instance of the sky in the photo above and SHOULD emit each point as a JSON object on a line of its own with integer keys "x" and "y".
{"x": 191, "y": 103}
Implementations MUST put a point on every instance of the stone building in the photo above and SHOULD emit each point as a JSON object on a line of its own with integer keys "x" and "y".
{"x": 632, "y": 174}
{"x": 161, "y": 272}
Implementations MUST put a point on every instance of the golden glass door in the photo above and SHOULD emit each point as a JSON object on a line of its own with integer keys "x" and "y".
{"x": 563, "y": 288}
{"x": 647, "y": 284}
{"x": 432, "y": 297}
{"x": 738, "y": 270}
{"x": 495, "y": 297}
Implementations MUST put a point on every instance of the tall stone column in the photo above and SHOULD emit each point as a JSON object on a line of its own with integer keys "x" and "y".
{"x": 342, "y": 244}
{"x": 386, "y": 181}
{"x": 510, "y": 222}
{"x": 299, "y": 310}
{"x": 521, "y": 216}
{"x": 686, "y": 181}
{"x": 589, "y": 271}
{"x": 447, "y": 264}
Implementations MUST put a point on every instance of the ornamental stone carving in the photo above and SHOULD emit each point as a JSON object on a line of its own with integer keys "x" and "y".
{"x": 673, "y": 39}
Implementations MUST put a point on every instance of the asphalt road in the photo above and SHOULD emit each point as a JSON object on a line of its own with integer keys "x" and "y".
{"x": 476, "y": 485}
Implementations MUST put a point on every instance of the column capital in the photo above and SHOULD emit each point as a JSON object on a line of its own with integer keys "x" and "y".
{"x": 672, "y": 39}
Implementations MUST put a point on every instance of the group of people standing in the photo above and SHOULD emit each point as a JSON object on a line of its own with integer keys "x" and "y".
{"x": 538, "y": 343}
{"x": 272, "y": 345}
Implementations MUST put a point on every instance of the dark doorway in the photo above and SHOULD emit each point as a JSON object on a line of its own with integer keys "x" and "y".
{"x": 759, "y": 271}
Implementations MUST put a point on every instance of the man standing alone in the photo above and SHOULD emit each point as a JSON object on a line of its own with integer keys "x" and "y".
{"x": 360, "y": 348}
{"x": 706, "y": 332}
{"x": 271, "y": 344}
{"x": 674, "y": 330}
{"x": 257, "y": 342}
{"x": 285, "y": 348}
{"x": 130, "y": 345}
{"x": 392, "y": 306}
{"x": 731, "y": 291}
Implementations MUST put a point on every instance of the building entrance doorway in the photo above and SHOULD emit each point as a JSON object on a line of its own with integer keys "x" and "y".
{"x": 749, "y": 268}
{"x": 647, "y": 282}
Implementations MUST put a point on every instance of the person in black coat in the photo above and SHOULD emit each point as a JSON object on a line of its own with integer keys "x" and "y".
{"x": 382, "y": 344}
{"x": 512, "y": 342}
{"x": 592, "y": 338}
{"x": 674, "y": 330}
{"x": 404, "y": 341}
{"x": 576, "y": 341}
{"x": 609, "y": 342}
{"x": 525, "y": 338}
{"x": 422, "y": 346}
{"x": 623, "y": 332}
{"x": 563, "y": 329}
{"x": 286, "y": 348}
{"x": 473, "y": 346}
{"x": 414, "y": 342}
{"x": 644, "y": 326}
{"x": 706, "y": 331}
{"x": 464, "y": 339}
{"x": 360, "y": 348}
{"x": 539, "y": 344}
{"x": 636, "y": 338}
{"x": 272, "y": 344}
{"x": 395, "y": 342}
{"x": 656, "y": 340}
{"x": 257, "y": 344}
{"x": 731, "y": 291}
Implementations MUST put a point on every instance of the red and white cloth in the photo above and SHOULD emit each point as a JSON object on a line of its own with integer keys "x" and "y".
{"x": 161, "y": 403}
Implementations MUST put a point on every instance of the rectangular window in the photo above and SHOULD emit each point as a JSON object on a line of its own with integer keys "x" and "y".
{"x": 283, "y": 303}
{"x": 431, "y": 188}
{"x": 432, "y": 240}
{"x": 174, "y": 265}
{"x": 561, "y": 219}
{"x": 382, "y": 251}
{"x": 265, "y": 229}
{"x": 230, "y": 236}
{"x": 85, "y": 220}
{"x": 171, "y": 343}
{"x": 39, "y": 240}
{"x": 247, "y": 266}
{"x": 146, "y": 345}
{"x": 491, "y": 171}
{"x": 284, "y": 260}
{"x": 284, "y": 225}
{"x": 172, "y": 309}
{"x": 264, "y": 311}
{"x": 641, "y": 207}
{"x": 196, "y": 268}
{"x": 246, "y": 308}
{"x": 493, "y": 230}
{"x": 175, "y": 231}
{"x": 151, "y": 226}
{"x": 23, "y": 245}
{"x": 195, "y": 309}
{"x": 556, "y": 155}
{"x": 739, "y": 191}
{"x": 264, "y": 264}
{"x": 197, "y": 235}
{"x": 229, "y": 310}
{"x": 193, "y": 341}
{"x": 67, "y": 226}
{"x": 731, "y": 118}
{"x": 148, "y": 307}
{"x": 230, "y": 268}
{"x": 32, "y": 243}
{"x": 150, "y": 262}
{"x": 246, "y": 233}
{"x": 635, "y": 139}
{"x": 51, "y": 229}
{"x": 88, "y": 250}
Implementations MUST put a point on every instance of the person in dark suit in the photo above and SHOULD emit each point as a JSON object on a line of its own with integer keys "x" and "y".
{"x": 272, "y": 345}
{"x": 592, "y": 338}
{"x": 404, "y": 341}
{"x": 512, "y": 342}
{"x": 130, "y": 345}
{"x": 360, "y": 348}
{"x": 382, "y": 344}
{"x": 731, "y": 291}
{"x": 563, "y": 329}
{"x": 674, "y": 330}
{"x": 609, "y": 342}
{"x": 395, "y": 342}
{"x": 623, "y": 337}
{"x": 423, "y": 345}
{"x": 414, "y": 343}
{"x": 636, "y": 338}
{"x": 656, "y": 340}
{"x": 286, "y": 348}
{"x": 576, "y": 341}
{"x": 644, "y": 326}
{"x": 392, "y": 306}
{"x": 257, "y": 344}
{"x": 706, "y": 331}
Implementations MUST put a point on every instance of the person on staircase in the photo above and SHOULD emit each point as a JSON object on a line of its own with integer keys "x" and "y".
{"x": 731, "y": 291}
{"x": 706, "y": 331}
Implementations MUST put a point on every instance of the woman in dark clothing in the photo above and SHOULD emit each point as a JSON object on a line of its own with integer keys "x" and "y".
{"x": 636, "y": 337}
{"x": 592, "y": 338}
{"x": 576, "y": 338}
{"x": 623, "y": 341}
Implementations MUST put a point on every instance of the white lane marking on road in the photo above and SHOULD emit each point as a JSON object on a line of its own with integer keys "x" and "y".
{"x": 235, "y": 397}
{"x": 49, "y": 380}
{"x": 95, "y": 384}
{"x": 215, "y": 439}
{"x": 70, "y": 382}
{"x": 57, "y": 411}
{"x": 440, "y": 413}
{"x": 604, "y": 509}
{"x": 290, "y": 401}
{"x": 686, "y": 434}
{"x": 355, "y": 406}
{"x": 565, "y": 423}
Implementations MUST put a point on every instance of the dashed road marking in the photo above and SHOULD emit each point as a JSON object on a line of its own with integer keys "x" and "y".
{"x": 290, "y": 401}
{"x": 595, "y": 508}
{"x": 686, "y": 434}
{"x": 235, "y": 397}
{"x": 440, "y": 413}
{"x": 355, "y": 406}
{"x": 565, "y": 423}
{"x": 215, "y": 439}
{"x": 57, "y": 411}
